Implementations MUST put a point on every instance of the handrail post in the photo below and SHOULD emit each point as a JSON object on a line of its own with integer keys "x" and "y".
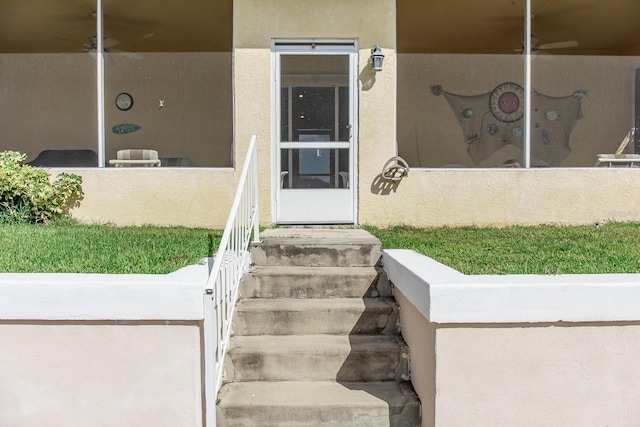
{"x": 256, "y": 221}
{"x": 210, "y": 380}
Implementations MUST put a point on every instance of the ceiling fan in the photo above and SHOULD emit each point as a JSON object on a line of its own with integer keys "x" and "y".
{"x": 108, "y": 44}
{"x": 91, "y": 47}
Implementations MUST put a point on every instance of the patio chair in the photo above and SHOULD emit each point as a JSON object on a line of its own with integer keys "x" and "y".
{"x": 135, "y": 157}
{"x": 618, "y": 158}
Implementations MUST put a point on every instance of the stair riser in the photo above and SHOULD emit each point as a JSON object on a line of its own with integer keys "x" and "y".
{"x": 337, "y": 322}
{"x": 280, "y": 404}
{"x": 257, "y": 284}
{"x": 338, "y": 255}
{"x": 362, "y": 366}
{"x": 275, "y": 416}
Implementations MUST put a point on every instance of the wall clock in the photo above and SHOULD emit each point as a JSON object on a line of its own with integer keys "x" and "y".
{"x": 506, "y": 102}
{"x": 124, "y": 101}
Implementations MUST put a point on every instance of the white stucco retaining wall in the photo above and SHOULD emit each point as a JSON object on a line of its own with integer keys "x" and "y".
{"x": 90, "y": 349}
{"x": 519, "y": 350}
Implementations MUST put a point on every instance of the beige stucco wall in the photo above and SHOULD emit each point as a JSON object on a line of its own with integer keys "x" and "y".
{"x": 420, "y": 336}
{"x": 569, "y": 375}
{"x": 97, "y": 373}
{"x": 509, "y": 196}
{"x": 369, "y": 22}
{"x": 202, "y": 197}
{"x": 523, "y": 374}
{"x": 190, "y": 197}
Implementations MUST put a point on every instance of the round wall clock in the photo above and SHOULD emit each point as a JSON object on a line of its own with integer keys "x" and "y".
{"x": 506, "y": 102}
{"x": 124, "y": 101}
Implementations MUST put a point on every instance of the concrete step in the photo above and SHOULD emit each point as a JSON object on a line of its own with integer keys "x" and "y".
{"x": 315, "y": 316}
{"x": 314, "y": 282}
{"x": 317, "y": 247}
{"x": 316, "y": 358}
{"x": 284, "y": 404}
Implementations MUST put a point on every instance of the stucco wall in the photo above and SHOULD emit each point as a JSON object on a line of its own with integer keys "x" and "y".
{"x": 190, "y": 197}
{"x": 91, "y": 373}
{"x": 501, "y": 197}
{"x": 523, "y": 374}
{"x": 202, "y": 197}
{"x": 420, "y": 336}
{"x": 495, "y": 351}
{"x": 102, "y": 349}
{"x": 369, "y": 22}
{"x": 560, "y": 374}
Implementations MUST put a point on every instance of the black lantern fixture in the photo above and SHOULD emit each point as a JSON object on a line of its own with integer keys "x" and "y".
{"x": 376, "y": 58}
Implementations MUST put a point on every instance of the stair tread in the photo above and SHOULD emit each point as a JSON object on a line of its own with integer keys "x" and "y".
{"x": 315, "y": 393}
{"x": 303, "y": 270}
{"x": 305, "y": 304}
{"x": 319, "y": 236}
{"x": 320, "y": 343}
{"x": 317, "y": 247}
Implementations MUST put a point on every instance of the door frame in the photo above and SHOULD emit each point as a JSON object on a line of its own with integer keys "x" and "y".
{"x": 310, "y": 46}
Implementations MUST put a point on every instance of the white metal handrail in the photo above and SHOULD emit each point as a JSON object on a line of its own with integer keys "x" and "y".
{"x": 230, "y": 262}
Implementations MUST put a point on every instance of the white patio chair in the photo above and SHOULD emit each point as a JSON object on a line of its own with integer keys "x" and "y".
{"x": 135, "y": 157}
{"x": 618, "y": 158}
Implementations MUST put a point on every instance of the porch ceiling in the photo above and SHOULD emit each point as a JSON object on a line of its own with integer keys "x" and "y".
{"x": 434, "y": 26}
{"x": 30, "y": 26}
{"x": 497, "y": 26}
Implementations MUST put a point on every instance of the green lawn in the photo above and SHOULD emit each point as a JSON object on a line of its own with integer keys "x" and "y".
{"x": 102, "y": 249}
{"x": 606, "y": 248}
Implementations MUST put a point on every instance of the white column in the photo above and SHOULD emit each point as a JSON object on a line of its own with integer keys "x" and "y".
{"x": 100, "y": 82}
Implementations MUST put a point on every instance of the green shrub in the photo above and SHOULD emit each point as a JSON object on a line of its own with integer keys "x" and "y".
{"x": 27, "y": 194}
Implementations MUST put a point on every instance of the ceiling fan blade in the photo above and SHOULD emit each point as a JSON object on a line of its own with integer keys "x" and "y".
{"x": 126, "y": 54}
{"x": 108, "y": 60}
{"x": 558, "y": 45}
{"x": 110, "y": 42}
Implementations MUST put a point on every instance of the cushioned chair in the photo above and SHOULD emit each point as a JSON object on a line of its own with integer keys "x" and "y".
{"x": 136, "y": 157}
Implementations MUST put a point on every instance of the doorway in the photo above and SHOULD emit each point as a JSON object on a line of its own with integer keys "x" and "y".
{"x": 315, "y": 132}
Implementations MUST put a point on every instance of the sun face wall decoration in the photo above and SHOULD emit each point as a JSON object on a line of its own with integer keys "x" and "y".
{"x": 506, "y": 102}
{"x": 493, "y": 120}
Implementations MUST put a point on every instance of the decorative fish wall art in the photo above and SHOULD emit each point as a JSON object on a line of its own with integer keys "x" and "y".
{"x": 124, "y": 128}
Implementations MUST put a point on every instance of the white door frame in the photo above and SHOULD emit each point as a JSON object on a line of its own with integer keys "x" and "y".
{"x": 314, "y": 47}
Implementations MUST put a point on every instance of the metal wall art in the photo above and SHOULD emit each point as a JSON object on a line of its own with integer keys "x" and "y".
{"x": 495, "y": 119}
{"x": 124, "y": 128}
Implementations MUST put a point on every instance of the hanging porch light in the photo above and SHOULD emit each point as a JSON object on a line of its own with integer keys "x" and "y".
{"x": 376, "y": 58}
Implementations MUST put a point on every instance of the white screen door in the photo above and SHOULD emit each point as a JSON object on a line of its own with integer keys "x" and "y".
{"x": 315, "y": 132}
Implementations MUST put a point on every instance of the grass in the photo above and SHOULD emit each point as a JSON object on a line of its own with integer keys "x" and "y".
{"x": 102, "y": 249}
{"x": 607, "y": 248}
{"x": 72, "y": 248}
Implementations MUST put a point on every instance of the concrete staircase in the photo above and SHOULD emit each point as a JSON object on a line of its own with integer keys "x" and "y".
{"x": 315, "y": 337}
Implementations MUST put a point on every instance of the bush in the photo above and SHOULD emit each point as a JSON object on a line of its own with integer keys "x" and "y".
{"x": 27, "y": 194}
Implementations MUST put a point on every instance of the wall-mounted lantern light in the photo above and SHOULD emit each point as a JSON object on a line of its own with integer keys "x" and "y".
{"x": 376, "y": 58}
